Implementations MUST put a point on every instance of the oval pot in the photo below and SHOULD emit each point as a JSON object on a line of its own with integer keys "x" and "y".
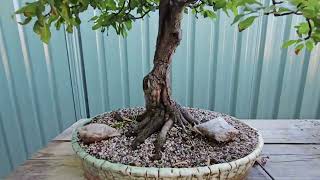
{"x": 98, "y": 169}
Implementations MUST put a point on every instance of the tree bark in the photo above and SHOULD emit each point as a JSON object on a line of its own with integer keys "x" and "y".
{"x": 161, "y": 111}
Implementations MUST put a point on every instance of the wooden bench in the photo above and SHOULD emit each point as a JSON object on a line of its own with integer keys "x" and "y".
{"x": 293, "y": 148}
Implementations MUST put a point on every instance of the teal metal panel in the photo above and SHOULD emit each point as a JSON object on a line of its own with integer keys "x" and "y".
{"x": 180, "y": 64}
{"x": 136, "y": 64}
{"x": 245, "y": 68}
{"x": 271, "y": 65}
{"x": 226, "y": 58}
{"x": 294, "y": 79}
{"x": 11, "y": 116}
{"x": 77, "y": 73}
{"x": 60, "y": 85}
{"x": 6, "y": 161}
{"x": 104, "y": 56}
{"x": 202, "y": 58}
{"x": 310, "y": 107}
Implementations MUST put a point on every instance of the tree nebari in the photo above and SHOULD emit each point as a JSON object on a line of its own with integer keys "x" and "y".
{"x": 161, "y": 111}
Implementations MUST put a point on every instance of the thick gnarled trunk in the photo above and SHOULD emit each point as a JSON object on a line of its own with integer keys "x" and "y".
{"x": 156, "y": 84}
{"x": 161, "y": 111}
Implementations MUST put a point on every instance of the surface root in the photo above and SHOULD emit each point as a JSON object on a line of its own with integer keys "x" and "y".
{"x": 160, "y": 120}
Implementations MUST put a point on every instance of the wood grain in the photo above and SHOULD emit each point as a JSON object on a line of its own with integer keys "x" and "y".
{"x": 257, "y": 173}
{"x": 49, "y": 169}
{"x": 293, "y": 161}
{"x": 288, "y": 131}
{"x": 56, "y": 161}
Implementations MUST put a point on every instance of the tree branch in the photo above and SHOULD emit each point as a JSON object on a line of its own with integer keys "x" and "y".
{"x": 310, "y": 29}
{"x": 138, "y": 17}
{"x": 274, "y": 2}
{"x": 284, "y": 14}
{"x": 122, "y": 7}
{"x": 297, "y": 12}
{"x": 142, "y": 16}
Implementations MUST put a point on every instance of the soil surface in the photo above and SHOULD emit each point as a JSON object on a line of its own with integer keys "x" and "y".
{"x": 180, "y": 150}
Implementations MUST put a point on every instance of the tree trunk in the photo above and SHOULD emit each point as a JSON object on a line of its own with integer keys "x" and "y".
{"x": 161, "y": 111}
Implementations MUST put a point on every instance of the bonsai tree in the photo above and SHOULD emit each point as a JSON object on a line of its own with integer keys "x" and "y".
{"x": 161, "y": 110}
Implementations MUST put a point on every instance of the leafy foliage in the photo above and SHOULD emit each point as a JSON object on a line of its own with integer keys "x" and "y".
{"x": 120, "y": 14}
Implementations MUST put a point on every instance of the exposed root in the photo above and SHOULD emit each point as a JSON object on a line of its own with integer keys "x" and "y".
{"x": 142, "y": 116}
{"x": 161, "y": 139}
{"x": 147, "y": 127}
{"x": 186, "y": 115}
{"x": 162, "y": 120}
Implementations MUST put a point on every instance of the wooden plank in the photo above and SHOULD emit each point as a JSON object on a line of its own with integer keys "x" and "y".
{"x": 288, "y": 131}
{"x": 55, "y": 150}
{"x": 57, "y": 161}
{"x": 57, "y": 157}
{"x": 257, "y": 173}
{"x": 49, "y": 169}
{"x": 66, "y": 134}
{"x": 293, "y": 161}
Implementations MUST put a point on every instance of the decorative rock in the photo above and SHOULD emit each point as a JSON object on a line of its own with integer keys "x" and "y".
{"x": 217, "y": 129}
{"x": 96, "y": 132}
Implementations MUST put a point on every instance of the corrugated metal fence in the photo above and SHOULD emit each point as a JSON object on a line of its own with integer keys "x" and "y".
{"x": 45, "y": 88}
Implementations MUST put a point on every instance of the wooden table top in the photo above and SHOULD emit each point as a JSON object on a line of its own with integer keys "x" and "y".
{"x": 292, "y": 148}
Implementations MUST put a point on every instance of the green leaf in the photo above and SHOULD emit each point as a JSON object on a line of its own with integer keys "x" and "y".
{"x": 237, "y": 18}
{"x": 220, "y": 4}
{"x": 65, "y": 13}
{"x": 111, "y": 4}
{"x": 69, "y": 28}
{"x": 309, "y": 45}
{"x": 283, "y": 9}
{"x": 309, "y": 11}
{"x": 208, "y": 13}
{"x": 58, "y": 23}
{"x": 52, "y": 19}
{"x": 26, "y": 21}
{"x": 77, "y": 20}
{"x": 303, "y": 28}
{"x": 37, "y": 28}
{"x": 246, "y": 23}
{"x": 94, "y": 18}
{"x": 45, "y": 33}
{"x": 316, "y": 37}
{"x": 128, "y": 24}
{"x": 289, "y": 43}
{"x": 30, "y": 9}
{"x": 96, "y": 26}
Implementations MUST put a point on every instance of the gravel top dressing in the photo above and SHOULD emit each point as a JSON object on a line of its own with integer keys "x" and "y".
{"x": 180, "y": 150}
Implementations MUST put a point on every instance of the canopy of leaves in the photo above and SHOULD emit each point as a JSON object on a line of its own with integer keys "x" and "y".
{"x": 119, "y": 14}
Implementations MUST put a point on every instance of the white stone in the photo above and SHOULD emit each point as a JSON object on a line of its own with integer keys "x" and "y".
{"x": 218, "y": 129}
{"x": 96, "y": 132}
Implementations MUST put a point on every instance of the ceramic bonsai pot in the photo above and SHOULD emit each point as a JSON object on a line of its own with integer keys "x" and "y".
{"x": 98, "y": 169}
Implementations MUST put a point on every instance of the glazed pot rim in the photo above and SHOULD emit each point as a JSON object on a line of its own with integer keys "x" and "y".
{"x": 135, "y": 170}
